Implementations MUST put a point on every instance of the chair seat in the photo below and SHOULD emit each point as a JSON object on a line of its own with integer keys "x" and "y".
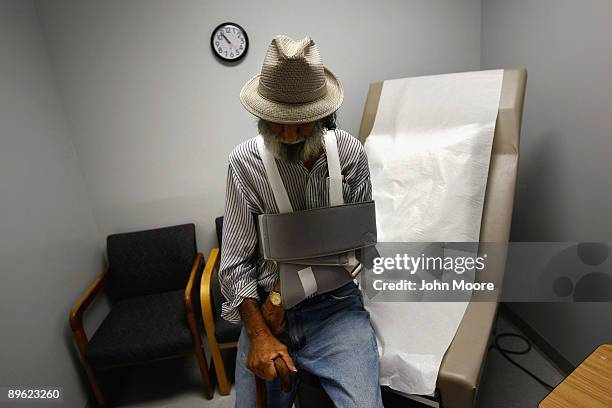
{"x": 140, "y": 329}
{"x": 226, "y": 332}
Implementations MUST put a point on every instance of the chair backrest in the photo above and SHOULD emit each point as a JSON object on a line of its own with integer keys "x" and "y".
{"x": 215, "y": 286}
{"x": 151, "y": 261}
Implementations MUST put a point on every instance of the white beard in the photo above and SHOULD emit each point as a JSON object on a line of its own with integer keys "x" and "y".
{"x": 311, "y": 146}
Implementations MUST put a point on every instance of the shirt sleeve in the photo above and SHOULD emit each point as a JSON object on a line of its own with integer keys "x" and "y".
{"x": 363, "y": 189}
{"x": 363, "y": 192}
{"x": 238, "y": 267}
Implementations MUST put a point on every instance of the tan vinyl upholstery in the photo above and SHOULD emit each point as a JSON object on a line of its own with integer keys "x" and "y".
{"x": 462, "y": 365}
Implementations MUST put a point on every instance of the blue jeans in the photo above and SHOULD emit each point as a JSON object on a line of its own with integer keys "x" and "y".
{"x": 330, "y": 336}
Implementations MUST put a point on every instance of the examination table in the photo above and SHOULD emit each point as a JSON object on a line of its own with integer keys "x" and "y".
{"x": 461, "y": 368}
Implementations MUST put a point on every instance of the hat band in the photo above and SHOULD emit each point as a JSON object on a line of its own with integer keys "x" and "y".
{"x": 279, "y": 95}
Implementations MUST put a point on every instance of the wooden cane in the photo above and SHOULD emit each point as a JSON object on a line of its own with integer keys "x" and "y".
{"x": 260, "y": 384}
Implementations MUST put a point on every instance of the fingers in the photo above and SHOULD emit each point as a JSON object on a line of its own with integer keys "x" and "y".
{"x": 283, "y": 374}
{"x": 268, "y": 371}
{"x": 288, "y": 360}
{"x": 263, "y": 369}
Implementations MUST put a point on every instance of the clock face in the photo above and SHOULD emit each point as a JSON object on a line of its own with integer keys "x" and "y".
{"x": 229, "y": 42}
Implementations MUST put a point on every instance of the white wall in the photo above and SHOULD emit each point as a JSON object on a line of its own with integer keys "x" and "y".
{"x": 49, "y": 243}
{"x": 154, "y": 115}
{"x": 565, "y": 165}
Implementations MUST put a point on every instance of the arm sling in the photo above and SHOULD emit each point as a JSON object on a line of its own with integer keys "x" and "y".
{"x": 316, "y": 250}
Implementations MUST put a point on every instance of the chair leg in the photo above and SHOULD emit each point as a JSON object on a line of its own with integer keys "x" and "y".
{"x": 201, "y": 357}
{"x": 208, "y": 389}
{"x": 95, "y": 386}
{"x": 224, "y": 384}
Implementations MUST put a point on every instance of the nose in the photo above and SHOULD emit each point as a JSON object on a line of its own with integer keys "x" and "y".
{"x": 290, "y": 134}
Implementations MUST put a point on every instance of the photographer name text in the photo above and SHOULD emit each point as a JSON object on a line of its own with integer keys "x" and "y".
{"x": 432, "y": 286}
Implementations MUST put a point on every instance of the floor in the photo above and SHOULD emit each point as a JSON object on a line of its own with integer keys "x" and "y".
{"x": 176, "y": 383}
{"x": 505, "y": 386}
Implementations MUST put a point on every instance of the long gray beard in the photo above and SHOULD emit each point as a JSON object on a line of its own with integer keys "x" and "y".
{"x": 299, "y": 152}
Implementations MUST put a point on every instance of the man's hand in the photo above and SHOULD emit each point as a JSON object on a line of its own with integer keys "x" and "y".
{"x": 264, "y": 349}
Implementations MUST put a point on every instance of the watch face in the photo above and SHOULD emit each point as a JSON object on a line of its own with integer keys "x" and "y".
{"x": 229, "y": 42}
{"x": 275, "y": 298}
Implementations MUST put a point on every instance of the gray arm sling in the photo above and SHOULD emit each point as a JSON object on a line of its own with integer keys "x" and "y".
{"x": 317, "y": 250}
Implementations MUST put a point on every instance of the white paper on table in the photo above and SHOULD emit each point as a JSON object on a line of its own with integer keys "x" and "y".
{"x": 428, "y": 153}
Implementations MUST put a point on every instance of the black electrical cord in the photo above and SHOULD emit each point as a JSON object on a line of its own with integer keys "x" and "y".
{"x": 505, "y": 352}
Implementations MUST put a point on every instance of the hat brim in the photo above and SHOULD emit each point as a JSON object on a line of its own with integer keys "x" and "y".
{"x": 279, "y": 112}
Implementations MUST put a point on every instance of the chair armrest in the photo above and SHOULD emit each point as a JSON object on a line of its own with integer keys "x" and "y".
{"x": 205, "y": 297}
{"x": 76, "y": 313}
{"x": 191, "y": 284}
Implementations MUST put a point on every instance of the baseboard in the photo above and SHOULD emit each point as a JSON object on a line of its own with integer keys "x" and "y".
{"x": 555, "y": 357}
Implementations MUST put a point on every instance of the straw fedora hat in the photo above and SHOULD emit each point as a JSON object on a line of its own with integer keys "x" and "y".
{"x": 294, "y": 86}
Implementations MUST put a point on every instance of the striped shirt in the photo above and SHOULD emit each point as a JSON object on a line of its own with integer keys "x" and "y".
{"x": 242, "y": 270}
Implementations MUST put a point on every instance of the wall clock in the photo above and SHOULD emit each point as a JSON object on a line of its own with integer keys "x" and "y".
{"x": 229, "y": 42}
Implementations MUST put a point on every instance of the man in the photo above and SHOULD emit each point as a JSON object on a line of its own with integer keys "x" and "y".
{"x": 295, "y": 98}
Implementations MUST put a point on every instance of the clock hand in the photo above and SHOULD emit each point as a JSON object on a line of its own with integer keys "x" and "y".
{"x": 228, "y": 41}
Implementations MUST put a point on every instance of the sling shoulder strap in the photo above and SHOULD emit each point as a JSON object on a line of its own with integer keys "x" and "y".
{"x": 276, "y": 183}
{"x": 333, "y": 168}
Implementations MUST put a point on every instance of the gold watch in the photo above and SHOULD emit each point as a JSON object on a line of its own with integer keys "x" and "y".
{"x": 275, "y": 298}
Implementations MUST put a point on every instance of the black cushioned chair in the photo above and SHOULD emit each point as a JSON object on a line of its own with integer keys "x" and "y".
{"x": 152, "y": 279}
{"x": 220, "y": 333}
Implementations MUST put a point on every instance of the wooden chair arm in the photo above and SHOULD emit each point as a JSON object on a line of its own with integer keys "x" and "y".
{"x": 205, "y": 298}
{"x": 191, "y": 283}
{"x": 76, "y": 313}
